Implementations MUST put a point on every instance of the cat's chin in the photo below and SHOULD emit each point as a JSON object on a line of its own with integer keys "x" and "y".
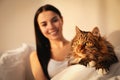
{"x": 73, "y": 61}
{"x": 102, "y": 71}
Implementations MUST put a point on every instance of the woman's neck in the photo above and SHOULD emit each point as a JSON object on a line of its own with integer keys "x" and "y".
{"x": 60, "y": 49}
{"x": 58, "y": 43}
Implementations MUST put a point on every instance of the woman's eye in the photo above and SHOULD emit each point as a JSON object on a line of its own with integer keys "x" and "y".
{"x": 44, "y": 24}
{"x": 55, "y": 20}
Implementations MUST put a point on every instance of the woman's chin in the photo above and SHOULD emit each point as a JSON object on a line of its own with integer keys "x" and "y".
{"x": 55, "y": 38}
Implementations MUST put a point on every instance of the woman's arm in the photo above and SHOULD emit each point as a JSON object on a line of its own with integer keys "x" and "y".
{"x": 36, "y": 67}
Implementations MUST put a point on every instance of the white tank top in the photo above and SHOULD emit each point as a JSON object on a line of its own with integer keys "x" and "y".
{"x": 55, "y": 67}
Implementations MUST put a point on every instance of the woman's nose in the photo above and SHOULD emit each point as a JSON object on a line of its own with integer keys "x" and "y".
{"x": 50, "y": 26}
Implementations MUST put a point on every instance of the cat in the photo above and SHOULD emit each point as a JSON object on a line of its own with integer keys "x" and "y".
{"x": 89, "y": 48}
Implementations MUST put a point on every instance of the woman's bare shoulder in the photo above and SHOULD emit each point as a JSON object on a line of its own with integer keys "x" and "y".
{"x": 36, "y": 67}
{"x": 33, "y": 55}
{"x": 33, "y": 58}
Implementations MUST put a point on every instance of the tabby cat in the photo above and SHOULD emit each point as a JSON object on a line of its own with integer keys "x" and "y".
{"x": 90, "y": 49}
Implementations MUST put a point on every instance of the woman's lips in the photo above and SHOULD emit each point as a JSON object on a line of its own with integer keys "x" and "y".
{"x": 53, "y": 32}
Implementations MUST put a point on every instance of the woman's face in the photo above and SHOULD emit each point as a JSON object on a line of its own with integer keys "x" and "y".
{"x": 50, "y": 25}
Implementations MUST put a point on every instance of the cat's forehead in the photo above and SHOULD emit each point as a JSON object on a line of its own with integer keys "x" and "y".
{"x": 87, "y": 33}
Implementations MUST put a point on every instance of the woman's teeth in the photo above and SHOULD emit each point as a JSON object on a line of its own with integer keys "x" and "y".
{"x": 53, "y": 32}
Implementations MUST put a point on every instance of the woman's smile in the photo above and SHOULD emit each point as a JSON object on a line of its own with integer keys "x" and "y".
{"x": 53, "y": 33}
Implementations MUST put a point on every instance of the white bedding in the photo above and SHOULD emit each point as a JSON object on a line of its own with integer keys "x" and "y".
{"x": 14, "y": 64}
{"x": 79, "y": 72}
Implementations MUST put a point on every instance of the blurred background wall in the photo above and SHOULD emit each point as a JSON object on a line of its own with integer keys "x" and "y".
{"x": 16, "y": 19}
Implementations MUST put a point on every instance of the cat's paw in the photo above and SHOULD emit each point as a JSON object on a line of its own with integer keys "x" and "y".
{"x": 101, "y": 71}
{"x": 91, "y": 64}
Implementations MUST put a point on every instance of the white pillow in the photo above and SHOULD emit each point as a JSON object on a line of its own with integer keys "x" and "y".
{"x": 12, "y": 63}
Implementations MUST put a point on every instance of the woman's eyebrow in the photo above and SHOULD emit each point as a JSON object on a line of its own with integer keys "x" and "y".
{"x": 55, "y": 17}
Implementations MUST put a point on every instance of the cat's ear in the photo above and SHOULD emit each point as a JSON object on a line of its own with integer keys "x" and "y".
{"x": 78, "y": 31}
{"x": 96, "y": 32}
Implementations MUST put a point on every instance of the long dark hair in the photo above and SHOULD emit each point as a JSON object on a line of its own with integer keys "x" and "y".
{"x": 42, "y": 43}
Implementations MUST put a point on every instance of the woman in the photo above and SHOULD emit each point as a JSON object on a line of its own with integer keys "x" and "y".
{"x": 52, "y": 48}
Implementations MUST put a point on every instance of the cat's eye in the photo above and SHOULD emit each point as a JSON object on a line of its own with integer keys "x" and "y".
{"x": 75, "y": 43}
{"x": 78, "y": 42}
{"x": 89, "y": 44}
